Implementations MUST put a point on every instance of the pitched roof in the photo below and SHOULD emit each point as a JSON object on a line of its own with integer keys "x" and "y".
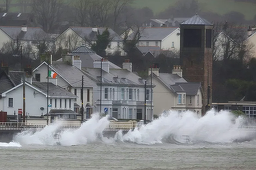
{"x": 190, "y": 88}
{"x": 116, "y": 77}
{"x": 196, "y": 20}
{"x": 88, "y": 56}
{"x": 154, "y": 33}
{"x": 53, "y": 90}
{"x": 72, "y": 74}
{"x": 92, "y": 35}
{"x": 32, "y": 33}
{"x": 14, "y": 19}
{"x": 5, "y": 82}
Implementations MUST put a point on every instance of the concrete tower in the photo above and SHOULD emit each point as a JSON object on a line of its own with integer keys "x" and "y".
{"x": 196, "y": 46}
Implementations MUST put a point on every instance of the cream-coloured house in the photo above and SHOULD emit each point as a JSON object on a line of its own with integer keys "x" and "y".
{"x": 251, "y": 40}
{"x": 74, "y": 37}
{"x": 22, "y": 36}
{"x": 174, "y": 92}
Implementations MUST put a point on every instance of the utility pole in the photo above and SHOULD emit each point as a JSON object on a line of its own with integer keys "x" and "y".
{"x": 47, "y": 98}
{"x": 82, "y": 98}
{"x": 23, "y": 84}
{"x": 145, "y": 104}
{"x": 100, "y": 82}
{"x": 151, "y": 94}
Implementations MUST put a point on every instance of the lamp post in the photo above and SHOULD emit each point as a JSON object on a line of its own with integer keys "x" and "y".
{"x": 145, "y": 104}
{"x": 100, "y": 82}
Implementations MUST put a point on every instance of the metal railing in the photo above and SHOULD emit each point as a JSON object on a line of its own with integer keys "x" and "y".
{"x": 65, "y": 124}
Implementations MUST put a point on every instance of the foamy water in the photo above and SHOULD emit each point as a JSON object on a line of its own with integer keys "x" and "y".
{"x": 214, "y": 127}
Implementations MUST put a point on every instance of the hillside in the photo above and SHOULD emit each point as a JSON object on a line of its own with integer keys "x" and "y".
{"x": 221, "y": 7}
{"x": 248, "y": 9}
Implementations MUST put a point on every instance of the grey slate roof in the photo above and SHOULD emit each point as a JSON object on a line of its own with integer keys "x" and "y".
{"x": 88, "y": 56}
{"x": 16, "y": 77}
{"x": 196, "y": 20}
{"x": 155, "y": 50}
{"x": 5, "y": 82}
{"x": 91, "y": 35}
{"x": 190, "y": 88}
{"x": 53, "y": 91}
{"x": 171, "y": 79}
{"x": 14, "y": 18}
{"x": 72, "y": 74}
{"x": 154, "y": 33}
{"x": 31, "y": 34}
{"x": 116, "y": 77}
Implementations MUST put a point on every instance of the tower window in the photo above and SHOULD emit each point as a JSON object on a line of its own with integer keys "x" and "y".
{"x": 208, "y": 38}
{"x": 192, "y": 38}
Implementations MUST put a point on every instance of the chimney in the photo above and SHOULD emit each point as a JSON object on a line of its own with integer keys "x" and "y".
{"x": 5, "y": 68}
{"x": 155, "y": 69}
{"x": 127, "y": 65}
{"x": 177, "y": 70}
{"x": 24, "y": 28}
{"x": 95, "y": 30}
{"x": 76, "y": 61}
{"x": 104, "y": 63}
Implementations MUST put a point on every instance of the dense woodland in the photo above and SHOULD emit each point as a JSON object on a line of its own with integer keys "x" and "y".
{"x": 233, "y": 77}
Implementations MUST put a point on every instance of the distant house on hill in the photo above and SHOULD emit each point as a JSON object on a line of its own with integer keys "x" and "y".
{"x": 165, "y": 38}
{"x": 252, "y": 39}
{"x": 12, "y": 38}
{"x": 74, "y": 37}
{"x": 171, "y": 22}
{"x": 15, "y": 19}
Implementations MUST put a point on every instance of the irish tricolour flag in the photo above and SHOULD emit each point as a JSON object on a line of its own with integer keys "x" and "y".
{"x": 52, "y": 74}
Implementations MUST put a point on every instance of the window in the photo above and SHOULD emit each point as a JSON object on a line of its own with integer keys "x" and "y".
{"x": 75, "y": 91}
{"x": 130, "y": 113}
{"x": 51, "y": 102}
{"x": 10, "y": 102}
{"x": 208, "y": 38}
{"x": 147, "y": 94}
{"x": 172, "y": 44}
{"x": 197, "y": 100}
{"x": 110, "y": 92}
{"x": 106, "y": 93}
{"x": 183, "y": 98}
{"x": 60, "y": 103}
{"x": 69, "y": 103}
{"x": 37, "y": 77}
{"x": 122, "y": 93}
{"x": 88, "y": 95}
{"x": 190, "y": 99}
{"x": 55, "y": 103}
{"x": 156, "y": 43}
{"x": 130, "y": 94}
{"x": 65, "y": 103}
{"x": 179, "y": 98}
{"x": 192, "y": 38}
{"x": 138, "y": 95}
{"x": 113, "y": 94}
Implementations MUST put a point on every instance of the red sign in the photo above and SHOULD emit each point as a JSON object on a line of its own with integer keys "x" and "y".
{"x": 19, "y": 111}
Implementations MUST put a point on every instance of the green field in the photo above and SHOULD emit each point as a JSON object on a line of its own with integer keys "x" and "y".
{"x": 217, "y": 6}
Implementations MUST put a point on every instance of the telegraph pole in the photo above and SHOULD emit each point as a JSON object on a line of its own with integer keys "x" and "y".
{"x": 82, "y": 98}
{"x": 23, "y": 84}
{"x": 47, "y": 98}
{"x": 100, "y": 83}
{"x": 145, "y": 104}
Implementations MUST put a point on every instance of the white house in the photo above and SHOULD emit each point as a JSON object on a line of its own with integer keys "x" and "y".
{"x": 174, "y": 92}
{"x": 74, "y": 37}
{"x": 251, "y": 40}
{"x": 36, "y": 99}
{"x": 22, "y": 36}
{"x": 120, "y": 92}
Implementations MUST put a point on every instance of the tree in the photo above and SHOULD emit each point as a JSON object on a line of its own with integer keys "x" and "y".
{"x": 47, "y": 13}
{"x": 102, "y": 42}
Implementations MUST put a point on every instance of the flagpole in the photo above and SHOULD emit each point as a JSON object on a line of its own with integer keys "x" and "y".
{"x": 47, "y": 93}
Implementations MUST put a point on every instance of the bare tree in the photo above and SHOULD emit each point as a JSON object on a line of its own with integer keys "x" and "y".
{"x": 47, "y": 13}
